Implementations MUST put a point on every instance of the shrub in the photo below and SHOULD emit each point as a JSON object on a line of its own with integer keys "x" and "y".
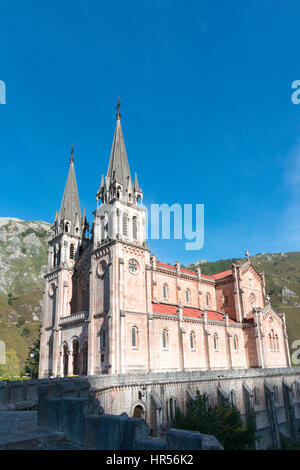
{"x": 223, "y": 421}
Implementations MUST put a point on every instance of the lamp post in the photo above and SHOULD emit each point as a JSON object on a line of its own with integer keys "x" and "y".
{"x": 31, "y": 356}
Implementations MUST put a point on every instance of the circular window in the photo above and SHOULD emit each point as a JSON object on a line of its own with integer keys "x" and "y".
{"x": 133, "y": 266}
{"x": 101, "y": 268}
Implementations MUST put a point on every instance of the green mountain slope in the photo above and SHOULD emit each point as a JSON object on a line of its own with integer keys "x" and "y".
{"x": 23, "y": 260}
{"x": 282, "y": 271}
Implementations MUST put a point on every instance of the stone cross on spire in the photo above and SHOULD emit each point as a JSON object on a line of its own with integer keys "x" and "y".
{"x": 118, "y": 108}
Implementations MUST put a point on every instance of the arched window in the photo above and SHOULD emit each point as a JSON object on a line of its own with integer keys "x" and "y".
{"x": 256, "y": 396}
{"x": 51, "y": 346}
{"x": 225, "y": 300}
{"x": 192, "y": 340}
{"x": 103, "y": 338}
{"x": 216, "y": 342}
{"x": 134, "y": 228}
{"x": 188, "y": 295}
{"x": 165, "y": 339}
{"x": 67, "y": 227}
{"x": 125, "y": 224}
{"x": 72, "y": 251}
{"x": 134, "y": 337}
{"x": 207, "y": 299}
{"x": 276, "y": 342}
{"x": 236, "y": 342}
{"x": 54, "y": 257}
{"x": 276, "y": 396}
{"x": 252, "y": 299}
{"x": 233, "y": 398}
{"x": 270, "y": 341}
{"x": 165, "y": 291}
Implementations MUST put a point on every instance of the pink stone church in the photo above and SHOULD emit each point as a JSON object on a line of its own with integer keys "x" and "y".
{"x": 111, "y": 308}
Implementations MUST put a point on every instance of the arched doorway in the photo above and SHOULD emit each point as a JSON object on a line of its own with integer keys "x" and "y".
{"x": 85, "y": 358}
{"x": 138, "y": 412}
{"x": 65, "y": 359}
{"x": 76, "y": 357}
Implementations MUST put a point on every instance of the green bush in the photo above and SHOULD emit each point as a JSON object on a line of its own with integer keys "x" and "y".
{"x": 223, "y": 421}
{"x": 25, "y": 331}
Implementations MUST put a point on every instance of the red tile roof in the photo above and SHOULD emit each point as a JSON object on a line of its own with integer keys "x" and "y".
{"x": 221, "y": 275}
{"x": 187, "y": 312}
{"x": 164, "y": 265}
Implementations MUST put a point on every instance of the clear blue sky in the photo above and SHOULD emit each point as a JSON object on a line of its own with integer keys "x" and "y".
{"x": 207, "y": 113}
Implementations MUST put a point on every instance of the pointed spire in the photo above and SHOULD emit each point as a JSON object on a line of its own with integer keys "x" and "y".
{"x": 136, "y": 184}
{"x": 118, "y": 168}
{"x": 70, "y": 206}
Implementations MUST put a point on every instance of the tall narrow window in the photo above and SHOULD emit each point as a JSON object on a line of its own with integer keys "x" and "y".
{"x": 54, "y": 257}
{"x": 165, "y": 291}
{"x": 134, "y": 228}
{"x": 236, "y": 342}
{"x": 256, "y": 396}
{"x": 72, "y": 251}
{"x": 103, "y": 338}
{"x": 225, "y": 300}
{"x": 276, "y": 343}
{"x": 134, "y": 337}
{"x": 272, "y": 340}
{"x": 187, "y": 295}
{"x": 165, "y": 339}
{"x": 207, "y": 300}
{"x": 216, "y": 342}
{"x": 192, "y": 340}
{"x": 125, "y": 228}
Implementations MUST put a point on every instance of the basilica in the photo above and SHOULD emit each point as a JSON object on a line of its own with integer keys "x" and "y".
{"x": 110, "y": 307}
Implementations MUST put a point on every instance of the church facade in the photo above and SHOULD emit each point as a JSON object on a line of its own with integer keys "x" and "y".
{"x": 110, "y": 307}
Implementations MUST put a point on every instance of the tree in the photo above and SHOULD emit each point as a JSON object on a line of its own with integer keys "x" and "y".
{"x": 12, "y": 366}
{"x": 32, "y": 363}
{"x": 25, "y": 331}
{"x": 224, "y": 421}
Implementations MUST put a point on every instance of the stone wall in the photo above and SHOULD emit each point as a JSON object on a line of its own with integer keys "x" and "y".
{"x": 84, "y": 422}
{"x": 273, "y": 394}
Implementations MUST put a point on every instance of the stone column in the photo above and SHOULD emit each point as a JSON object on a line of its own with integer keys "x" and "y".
{"x": 206, "y": 336}
{"x": 70, "y": 362}
{"x": 154, "y": 286}
{"x": 181, "y": 337}
{"x": 285, "y": 338}
{"x": 122, "y": 337}
{"x": 91, "y": 320}
{"x": 237, "y": 293}
{"x": 198, "y": 272}
{"x": 178, "y": 289}
{"x": 260, "y": 347}
{"x": 56, "y": 345}
{"x": 229, "y": 336}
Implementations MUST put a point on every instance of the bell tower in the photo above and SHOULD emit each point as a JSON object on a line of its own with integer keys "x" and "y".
{"x": 65, "y": 246}
{"x": 120, "y": 264}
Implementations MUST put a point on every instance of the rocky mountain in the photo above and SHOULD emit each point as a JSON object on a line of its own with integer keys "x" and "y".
{"x": 23, "y": 260}
{"x": 282, "y": 271}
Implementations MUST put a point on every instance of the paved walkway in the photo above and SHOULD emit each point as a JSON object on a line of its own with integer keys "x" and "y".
{"x": 19, "y": 430}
